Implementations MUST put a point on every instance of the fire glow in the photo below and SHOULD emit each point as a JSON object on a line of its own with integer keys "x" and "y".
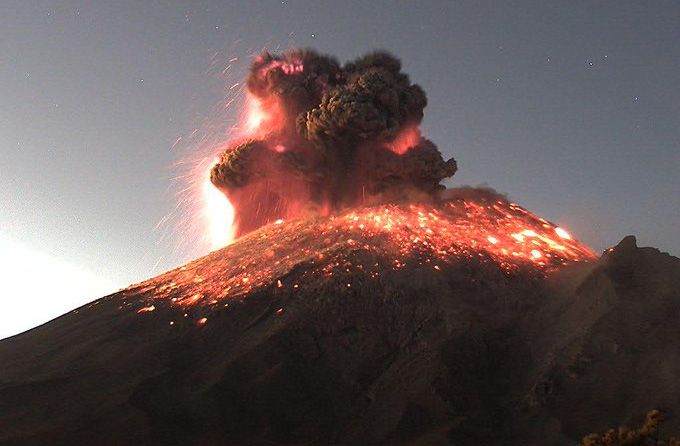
{"x": 483, "y": 230}
{"x": 256, "y": 117}
{"x": 408, "y": 137}
{"x": 259, "y": 118}
{"x": 218, "y": 213}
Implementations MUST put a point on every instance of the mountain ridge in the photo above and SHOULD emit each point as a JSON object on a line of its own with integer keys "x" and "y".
{"x": 465, "y": 353}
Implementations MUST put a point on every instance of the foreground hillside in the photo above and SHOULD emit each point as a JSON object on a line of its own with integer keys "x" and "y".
{"x": 325, "y": 340}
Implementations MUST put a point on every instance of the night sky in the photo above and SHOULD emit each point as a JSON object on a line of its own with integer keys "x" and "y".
{"x": 571, "y": 108}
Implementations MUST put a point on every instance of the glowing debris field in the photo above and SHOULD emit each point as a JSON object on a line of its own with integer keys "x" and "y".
{"x": 488, "y": 230}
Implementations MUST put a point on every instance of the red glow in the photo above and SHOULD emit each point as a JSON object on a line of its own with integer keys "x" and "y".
{"x": 480, "y": 230}
{"x": 260, "y": 118}
{"x": 218, "y": 213}
{"x": 255, "y": 115}
{"x": 289, "y": 68}
{"x": 407, "y": 137}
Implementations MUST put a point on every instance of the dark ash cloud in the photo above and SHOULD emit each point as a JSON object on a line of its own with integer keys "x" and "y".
{"x": 336, "y": 136}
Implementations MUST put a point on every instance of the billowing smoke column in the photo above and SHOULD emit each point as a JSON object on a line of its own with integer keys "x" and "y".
{"x": 327, "y": 137}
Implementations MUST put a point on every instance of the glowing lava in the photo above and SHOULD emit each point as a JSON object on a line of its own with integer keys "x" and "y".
{"x": 486, "y": 230}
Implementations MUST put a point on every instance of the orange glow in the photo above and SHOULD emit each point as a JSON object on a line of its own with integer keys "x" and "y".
{"x": 255, "y": 115}
{"x": 486, "y": 230}
{"x": 408, "y": 137}
{"x": 261, "y": 119}
{"x": 148, "y": 309}
{"x": 218, "y": 213}
{"x": 562, "y": 233}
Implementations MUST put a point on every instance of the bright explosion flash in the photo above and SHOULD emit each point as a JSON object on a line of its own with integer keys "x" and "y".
{"x": 259, "y": 118}
{"x": 203, "y": 218}
{"x": 218, "y": 213}
{"x": 255, "y": 115}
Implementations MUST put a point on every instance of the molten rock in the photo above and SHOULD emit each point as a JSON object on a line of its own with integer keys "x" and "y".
{"x": 326, "y": 137}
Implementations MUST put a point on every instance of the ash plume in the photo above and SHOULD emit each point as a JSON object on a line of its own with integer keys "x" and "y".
{"x": 328, "y": 137}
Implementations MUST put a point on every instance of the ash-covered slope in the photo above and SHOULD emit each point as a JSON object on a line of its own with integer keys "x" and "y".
{"x": 310, "y": 333}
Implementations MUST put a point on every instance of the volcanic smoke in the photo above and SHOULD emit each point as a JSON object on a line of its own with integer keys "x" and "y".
{"x": 324, "y": 137}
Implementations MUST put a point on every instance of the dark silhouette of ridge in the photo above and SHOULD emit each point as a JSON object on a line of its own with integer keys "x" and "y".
{"x": 466, "y": 355}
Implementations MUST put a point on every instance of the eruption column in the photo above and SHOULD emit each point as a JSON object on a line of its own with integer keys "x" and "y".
{"x": 323, "y": 137}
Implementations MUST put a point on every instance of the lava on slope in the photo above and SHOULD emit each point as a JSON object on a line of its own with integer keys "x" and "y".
{"x": 482, "y": 227}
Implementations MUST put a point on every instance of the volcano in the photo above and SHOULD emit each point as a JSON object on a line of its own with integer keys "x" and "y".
{"x": 471, "y": 322}
{"x": 363, "y": 303}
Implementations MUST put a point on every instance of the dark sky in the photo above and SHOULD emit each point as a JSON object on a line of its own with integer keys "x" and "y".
{"x": 570, "y": 107}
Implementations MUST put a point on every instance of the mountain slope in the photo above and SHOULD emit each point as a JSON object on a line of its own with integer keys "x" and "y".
{"x": 310, "y": 333}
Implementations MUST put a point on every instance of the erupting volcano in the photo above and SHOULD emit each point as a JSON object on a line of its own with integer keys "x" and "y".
{"x": 362, "y": 302}
{"x": 343, "y": 142}
{"x": 321, "y": 138}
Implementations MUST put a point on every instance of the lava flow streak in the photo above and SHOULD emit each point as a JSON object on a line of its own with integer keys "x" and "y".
{"x": 487, "y": 229}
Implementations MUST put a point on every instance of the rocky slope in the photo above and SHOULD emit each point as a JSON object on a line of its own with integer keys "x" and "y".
{"x": 311, "y": 351}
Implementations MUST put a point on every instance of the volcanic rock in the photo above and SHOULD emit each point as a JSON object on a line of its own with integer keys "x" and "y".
{"x": 335, "y": 345}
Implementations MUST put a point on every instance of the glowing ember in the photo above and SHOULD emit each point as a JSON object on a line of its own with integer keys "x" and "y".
{"x": 487, "y": 230}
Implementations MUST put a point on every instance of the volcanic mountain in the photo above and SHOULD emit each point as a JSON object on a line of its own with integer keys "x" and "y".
{"x": 469, "y": 322}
